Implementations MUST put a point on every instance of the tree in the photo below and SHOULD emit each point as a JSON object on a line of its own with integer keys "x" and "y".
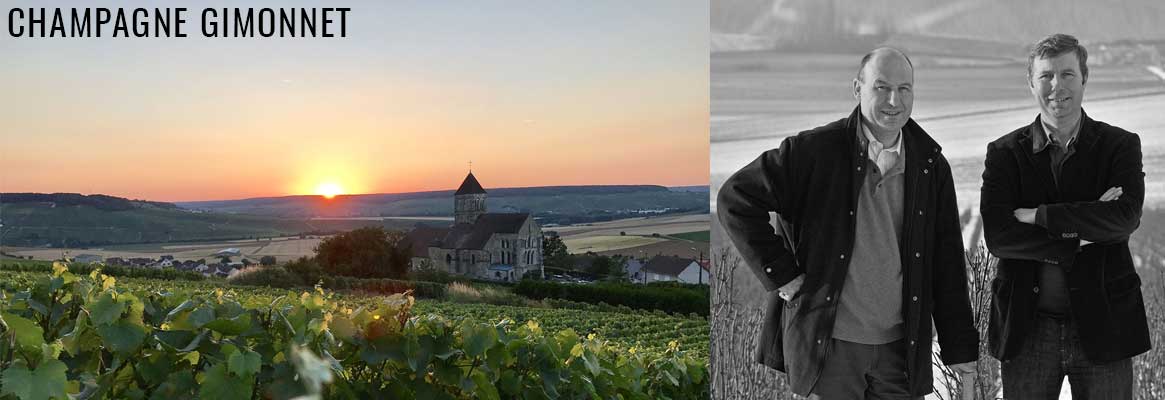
{"x": 614, "y": 267}
{"x": 369, "y": 252}
{"x": 224, "y": 260}
{"x": 267, "y": 260}
{"x": 554, "y": 253}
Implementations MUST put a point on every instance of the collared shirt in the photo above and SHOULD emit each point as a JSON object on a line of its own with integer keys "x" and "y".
{"x": 884, "y": 157}
{"x": 1058, "y": 152}
{"x": 1053, "y": 280}
{"x": 870, "y": 305}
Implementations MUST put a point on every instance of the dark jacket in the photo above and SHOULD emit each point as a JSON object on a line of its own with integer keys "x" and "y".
{"x": 1103, "y": 287}
{"x": 812, "y": 182}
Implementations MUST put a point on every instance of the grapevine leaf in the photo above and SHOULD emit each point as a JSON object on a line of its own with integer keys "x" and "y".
{"x": 696, "y": 371}
{"x": 484, "y": 389}
{"x": 105, "y": 310}
{"x": 154, "y": 368}
{"x": 550, "y": 379}
{"x": 447, "y": 372}
{"x": 244, "y": 363}
{"x": 29, "y": 335}
{"x": 671, "y": 378}
{"x": 200, "y": 316}
{"x": 416, "y": 354}
{"x": 186, "y": 305}
{"x": 426, "y": 390}
{"x": 174, "y": 339}
{"x": 232, "y": 326}
{"x": 122, "y": 336}
{"x": 219, "y": 384}
{"x": 342, "y": 328}
{"x": 510, "y": 383}
{"x": 47, "y": 381}
{"x": 478, "y": 339}
{"x": 385, "y": 348}
{"x": 591, "y": 362}
{"x": 37, "y": 306}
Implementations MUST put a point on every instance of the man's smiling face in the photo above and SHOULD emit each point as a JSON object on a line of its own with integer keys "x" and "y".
{"x": 1058, "y": 86}
{"x": 886, "y": 92}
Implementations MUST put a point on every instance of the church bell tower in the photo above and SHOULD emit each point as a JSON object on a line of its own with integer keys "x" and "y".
{"x": 469, "y": 201}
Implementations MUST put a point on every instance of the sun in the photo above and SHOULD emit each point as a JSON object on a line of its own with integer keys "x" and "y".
{"x": 329, "y": 190}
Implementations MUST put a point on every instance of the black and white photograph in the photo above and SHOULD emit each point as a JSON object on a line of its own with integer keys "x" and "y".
{"x": 937, "y": 199}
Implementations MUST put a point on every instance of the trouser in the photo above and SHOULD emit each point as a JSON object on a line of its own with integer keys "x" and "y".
{"x": 863, "y": 371}
{"x": 1051, "y": 351}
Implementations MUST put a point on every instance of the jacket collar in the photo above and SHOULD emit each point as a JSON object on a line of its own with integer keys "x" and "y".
{"x": 1085, "y": 136}
{"x": 918, "y": 143}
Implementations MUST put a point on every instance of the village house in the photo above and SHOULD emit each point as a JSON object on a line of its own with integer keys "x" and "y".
{"x": 634, "y": 270}
{"x": 672, "y": 268}
{"x": 87, "y": 259}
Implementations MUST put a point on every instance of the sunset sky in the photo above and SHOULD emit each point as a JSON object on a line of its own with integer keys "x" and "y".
{"x": 534, "y": 93}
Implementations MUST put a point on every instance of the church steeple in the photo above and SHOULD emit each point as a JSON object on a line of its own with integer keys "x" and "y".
{"x": 469, "y": 201}
{"x": 470, "y": 186}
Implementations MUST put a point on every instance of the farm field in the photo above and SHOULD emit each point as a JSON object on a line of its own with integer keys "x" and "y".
{"x": 698, "y": 236}
{"x": 601, "y": 237}
{"x": 605, "y": 238}
{"x": 680, "y": 248}
{"x": 599, "y": 244}
{"x": 636, "y": 226}
{"x": 281, "y": 248}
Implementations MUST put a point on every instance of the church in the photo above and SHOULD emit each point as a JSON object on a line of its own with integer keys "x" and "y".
{"x": 480, "y": 244}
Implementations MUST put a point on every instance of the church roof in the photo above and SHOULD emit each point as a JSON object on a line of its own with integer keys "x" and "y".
{"x": 474, "y": 236}
{"x": 470, "y": 186}
{"x": 425, "y": 236}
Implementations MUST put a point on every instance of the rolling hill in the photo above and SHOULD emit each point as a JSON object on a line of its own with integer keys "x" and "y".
{"x": 73, "y": 220}
{"x": 549, "y": 202}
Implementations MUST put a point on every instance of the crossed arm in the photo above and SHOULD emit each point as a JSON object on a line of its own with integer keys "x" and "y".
{"x": 1013, "y": 231}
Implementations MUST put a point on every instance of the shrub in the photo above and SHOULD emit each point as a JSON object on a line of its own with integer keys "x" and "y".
{"x": 385, "y": 286}
{"x": 463, "y": 293}
{"x": 672, "y": 300}
{"x": 369, "y": 252}
{"x": 276, "y": 277}
{"x": 681, "y": 285}
{"x": 308, "y": 269}
{"x": 111, "y": 270}
{"x": 436, "y": 276}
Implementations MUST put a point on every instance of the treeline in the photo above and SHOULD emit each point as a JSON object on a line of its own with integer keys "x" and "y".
{"x": 111, "y": 270}
{"x": 670, "y": 298}
{"x": 98, "y": 201}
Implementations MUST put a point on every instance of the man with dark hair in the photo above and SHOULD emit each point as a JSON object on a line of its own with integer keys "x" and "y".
{"x": 1060, "y": 198}
{"x": 868, "y": 251}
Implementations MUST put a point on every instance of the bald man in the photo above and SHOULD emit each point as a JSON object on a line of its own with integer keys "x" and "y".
{"x": 867, "y": 249}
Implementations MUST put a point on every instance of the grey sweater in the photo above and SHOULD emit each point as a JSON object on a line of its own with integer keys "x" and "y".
{"x": 870, "y": 308}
